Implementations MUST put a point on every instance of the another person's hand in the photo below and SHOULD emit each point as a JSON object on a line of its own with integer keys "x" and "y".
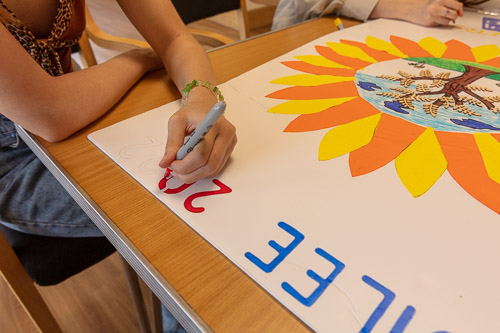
{"x": 423, "y": 12}
{"x": 210, "y": 156}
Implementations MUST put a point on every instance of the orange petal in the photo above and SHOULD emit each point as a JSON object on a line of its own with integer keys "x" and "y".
{"x": 466, "y": 166}
{"x": 391, "y": 137}
{"x": 495, "y": 62}
{"x": 337, "y": 115}
{"x": 332, "y": 90}
{"x": 459, "y": 51}
{"x": 318, "y": 70}
{"x": 338, "y": 58}
{"x": 496, "y": 136}
{"x": 409, "y": 47}
{"x": 376, "y": 54}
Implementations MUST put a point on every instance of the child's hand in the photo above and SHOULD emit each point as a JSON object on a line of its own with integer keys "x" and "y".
{"x": 209, "y": 157}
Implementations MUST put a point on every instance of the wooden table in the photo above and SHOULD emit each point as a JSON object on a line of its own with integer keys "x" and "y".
{"x": 198, "y": 284}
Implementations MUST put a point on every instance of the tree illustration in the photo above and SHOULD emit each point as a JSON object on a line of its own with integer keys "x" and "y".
{"x": 441, "y": 90}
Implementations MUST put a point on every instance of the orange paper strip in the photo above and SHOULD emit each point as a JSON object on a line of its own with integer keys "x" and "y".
{"x": 466, "y": 166}
{"x": 332, "y": 90}
{"x": 346, "y": 61}
{"x": 409, "y": 47}
{"x": 458, "y": 51}
{"x": 341, "y": 114}
{"x": 376, "y": 54}
{"x": 318, "y": 70}
{"x": 391, "y": 137}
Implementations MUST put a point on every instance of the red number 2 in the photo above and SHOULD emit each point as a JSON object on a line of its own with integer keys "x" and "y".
{"x": 188, "y": 203}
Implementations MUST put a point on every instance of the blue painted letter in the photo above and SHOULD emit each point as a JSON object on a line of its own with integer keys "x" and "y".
{"x": 323, "y": 283}
{"x": 282, "y": 251}
{"x": 381, "y": 308}
{"x": 403, "y": 320}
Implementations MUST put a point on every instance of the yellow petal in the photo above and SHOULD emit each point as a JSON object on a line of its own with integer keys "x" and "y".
{"x": 433, "y": 46}
{"x": 311, "y": 80}
{"x": 350, "y": 51}
{"x": 348, "y": 137}
{"x": 490, "y": 150}
{"x": 485, "y": 52}
{"x": 421, "y": 164}
{"x": 382, "y": 45}
{"x": 307, "y": 106}
{"x": 320, "y": 61}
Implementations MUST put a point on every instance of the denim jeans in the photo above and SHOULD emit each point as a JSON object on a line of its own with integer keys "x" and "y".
{"x": 170, "y": 324}
{"x": 31, "y": 199}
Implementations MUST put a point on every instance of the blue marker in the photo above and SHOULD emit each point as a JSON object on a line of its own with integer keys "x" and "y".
{"x": 202, "y": 130}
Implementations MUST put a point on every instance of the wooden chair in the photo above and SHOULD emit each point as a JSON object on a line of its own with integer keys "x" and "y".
{"x": 116, "y": 43}
{"x": 259, "y": 18}
{"x": 23, "y": 289}
{"x": 254, "y": 16}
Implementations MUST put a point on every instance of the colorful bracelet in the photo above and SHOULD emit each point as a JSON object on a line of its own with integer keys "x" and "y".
{"x": 198, "y": 83}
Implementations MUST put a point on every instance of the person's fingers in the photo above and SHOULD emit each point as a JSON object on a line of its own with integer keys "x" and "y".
{"x": 450, "y": 14}
{"x": 210, "y": 159}
{"x": 442, "y": 16}
{"x": 452, "y": 9}
{"x": 202, "y": 152}
{"x": 211, "y": 169}
{"x": 228, "y": 154}
{"x": 175, "y": 139}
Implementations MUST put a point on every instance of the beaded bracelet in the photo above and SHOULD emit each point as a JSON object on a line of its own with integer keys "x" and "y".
{"x": 198, "y": 83}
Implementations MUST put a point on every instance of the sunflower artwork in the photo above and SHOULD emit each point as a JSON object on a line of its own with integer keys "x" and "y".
{"x": 429, "y": 105}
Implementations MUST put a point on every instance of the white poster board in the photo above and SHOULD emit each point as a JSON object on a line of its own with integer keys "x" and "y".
{"x": 347, "y": 254}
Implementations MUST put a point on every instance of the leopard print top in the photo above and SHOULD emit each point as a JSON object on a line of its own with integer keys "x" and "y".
{"x": 44, "y": 52}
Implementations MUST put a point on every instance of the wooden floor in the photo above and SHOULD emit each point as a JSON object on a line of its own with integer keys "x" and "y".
{"x": 98, "y": 299}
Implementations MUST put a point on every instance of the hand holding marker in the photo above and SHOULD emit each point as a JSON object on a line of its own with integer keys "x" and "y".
{"x": 202, "y": 129}
{"x": 195, "y": 137}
